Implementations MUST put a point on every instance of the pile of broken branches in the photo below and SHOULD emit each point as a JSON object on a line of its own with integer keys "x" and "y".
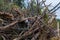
{"x": 14, "y": 26}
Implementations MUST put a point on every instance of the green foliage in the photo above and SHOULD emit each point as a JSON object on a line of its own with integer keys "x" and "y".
{"x": 19, "y": 3}
{"x": 6, "y": 6}
{"x": 58, "y": 20}
{"x": 1, "y": 4}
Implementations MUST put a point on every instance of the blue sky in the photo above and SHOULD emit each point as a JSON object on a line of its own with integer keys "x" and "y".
{"x": 54, "y": 2}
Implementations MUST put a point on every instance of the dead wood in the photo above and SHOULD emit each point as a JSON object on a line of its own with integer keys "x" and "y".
{"x": 17, "y": 27}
